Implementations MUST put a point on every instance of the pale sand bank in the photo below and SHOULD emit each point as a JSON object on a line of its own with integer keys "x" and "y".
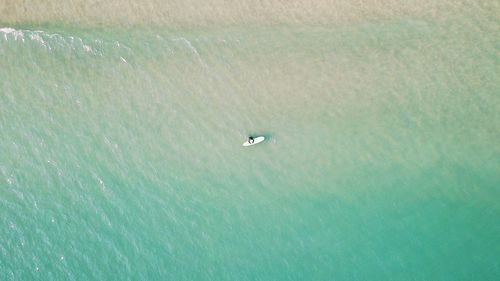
{"x": 199, "y": 13}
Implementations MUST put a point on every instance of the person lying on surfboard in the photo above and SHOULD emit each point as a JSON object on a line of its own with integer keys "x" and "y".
{"x": 253, "y": 140}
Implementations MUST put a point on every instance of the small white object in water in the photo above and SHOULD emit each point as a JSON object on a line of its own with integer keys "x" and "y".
{"x": 256, "y": 140}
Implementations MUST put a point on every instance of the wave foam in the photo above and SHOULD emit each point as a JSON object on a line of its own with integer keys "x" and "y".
{"x": 54, "y": 41}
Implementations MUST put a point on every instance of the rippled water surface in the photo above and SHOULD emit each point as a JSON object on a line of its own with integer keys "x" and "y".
{"x": 121, "y": 156}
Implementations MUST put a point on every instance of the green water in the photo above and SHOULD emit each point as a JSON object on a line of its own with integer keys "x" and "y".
{"x": 121, "y": 156}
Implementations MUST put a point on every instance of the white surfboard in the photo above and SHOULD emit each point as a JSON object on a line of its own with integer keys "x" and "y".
{"x": 256, "y": 140}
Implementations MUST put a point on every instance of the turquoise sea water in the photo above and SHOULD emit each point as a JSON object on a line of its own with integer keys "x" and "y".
{"x": 121, "y": 156}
